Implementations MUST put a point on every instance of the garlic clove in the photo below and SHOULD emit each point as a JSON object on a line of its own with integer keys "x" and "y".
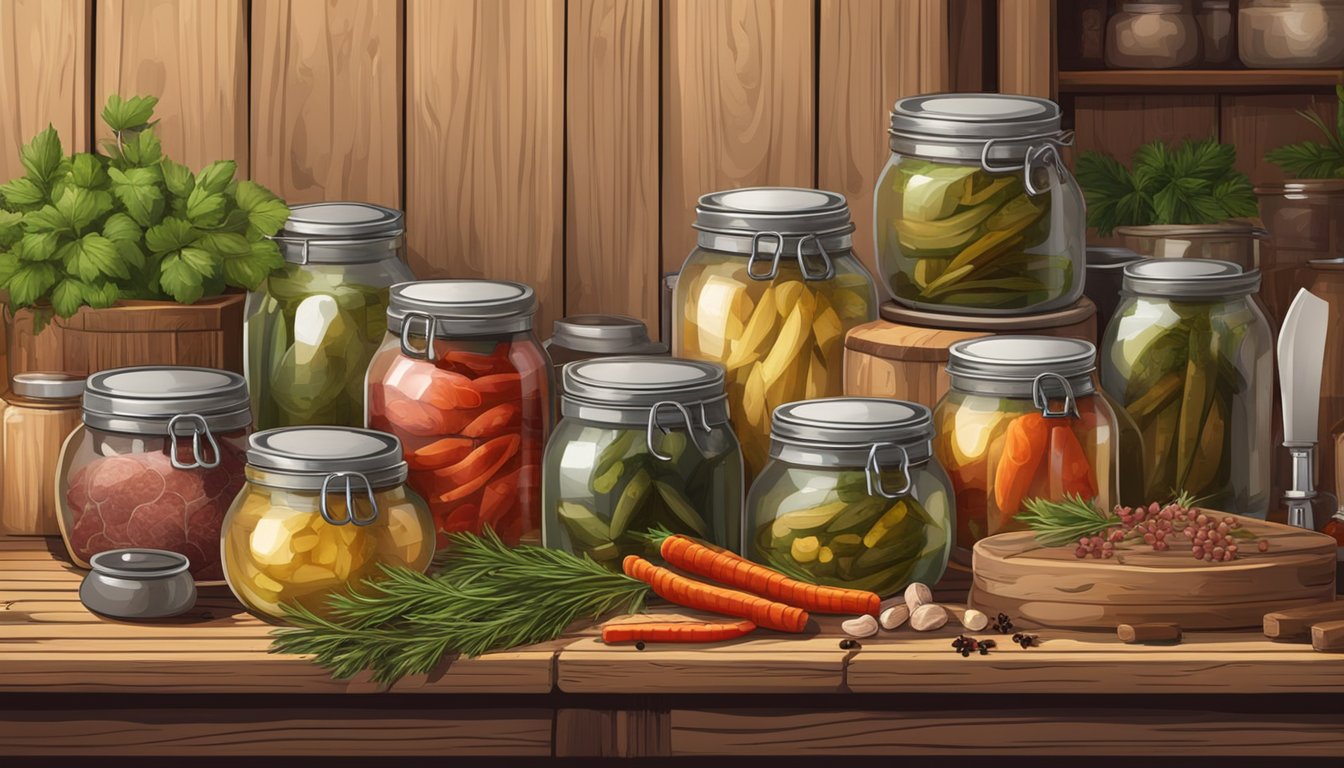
{"x": 861, "y": 626}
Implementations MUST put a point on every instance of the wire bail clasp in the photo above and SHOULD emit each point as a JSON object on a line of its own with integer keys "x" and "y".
{"x": 873, "y": 471}
{"x": 828, "y": 272}
{"x": 198, "y": 428}
{"x": 1041, "y": 400}
{"x": 1037, "y": 156}
{"x": 756, "y": 255}
{"x": 350, "y": 515}
{"x": 431, "y": 328}
{"x": 690, "y": 427}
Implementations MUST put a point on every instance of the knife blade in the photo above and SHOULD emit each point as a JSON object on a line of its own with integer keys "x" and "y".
{"x": 1301, "y": 354}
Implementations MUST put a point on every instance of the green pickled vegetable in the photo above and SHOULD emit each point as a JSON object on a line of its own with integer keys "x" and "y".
{"x": 583, "y": 524}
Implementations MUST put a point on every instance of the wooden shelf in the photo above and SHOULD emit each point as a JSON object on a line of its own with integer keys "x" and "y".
{"x": 1198, "y": 80}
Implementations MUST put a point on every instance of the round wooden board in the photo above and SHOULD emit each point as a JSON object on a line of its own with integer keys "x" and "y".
{"x": 1049, "y": 587}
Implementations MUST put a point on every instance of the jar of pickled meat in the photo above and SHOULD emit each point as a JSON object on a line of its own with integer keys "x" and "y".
{"x": 314, "y": 324}
{"x": 1023, "y": 420}
{"x": 1188, "y": 356}
{"x": 463, "y": 382}
{"x": 975, "y": 212}
{"x": 852, "y": 496}
{"x": 323, "y": 509}
{"x": 155, "y": 464}
{"x": 769, "y": 292}
{"x": 645, "y": 443}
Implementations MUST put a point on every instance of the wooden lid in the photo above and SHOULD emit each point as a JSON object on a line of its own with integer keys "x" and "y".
{"x": 893, "y": 341}
{"x": 1073, "y": 314}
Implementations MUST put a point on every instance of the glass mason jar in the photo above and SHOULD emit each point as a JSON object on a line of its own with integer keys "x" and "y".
{"x": 1188, "y": 356}
{"x": 852, "y": 496}
{"x": 975, "y": 212}
{"x": 769, "y": 292}
{"x": 155, "y": 465}
{"x": 1156, "y": 35}
{"x": 1023, "y": 420}
{"x": 587, "y": 337}
{"x": 313, "y": 325}
{"x": 323, "y": 508}
{"x": 37, "y": 414}
{"x": 1291, "y": 33}
{"x": 473, "y": 408}
{"x": 645, "y": 443}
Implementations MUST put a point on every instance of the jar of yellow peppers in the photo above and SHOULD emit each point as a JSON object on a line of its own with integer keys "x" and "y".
{"x": 769, "y": 293}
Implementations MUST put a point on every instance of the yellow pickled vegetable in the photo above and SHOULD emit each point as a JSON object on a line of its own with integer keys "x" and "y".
{"x": 806, "y": 549}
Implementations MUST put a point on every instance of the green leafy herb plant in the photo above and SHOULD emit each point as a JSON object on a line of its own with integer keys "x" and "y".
{"x": 1312, "y": 159}
{"x": 1193, "y": 183}
{"x": 90, "y": 229}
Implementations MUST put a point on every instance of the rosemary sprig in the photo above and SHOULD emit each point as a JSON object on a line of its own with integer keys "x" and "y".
{"x": 1057, "y": 523}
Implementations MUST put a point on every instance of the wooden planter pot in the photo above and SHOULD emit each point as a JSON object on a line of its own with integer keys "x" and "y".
{"x": 208, "y": 333}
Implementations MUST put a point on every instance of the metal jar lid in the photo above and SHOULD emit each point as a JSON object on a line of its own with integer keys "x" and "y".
{"x": 155, "y": 400}
{"x": 770, "y": 223}
{"x": 340, "y": 233}
{"x": 1036, "y": 367}
{"x": 604, "y": 335}
{"x": 327, "y": 460}
{"x": 630, "y": 389}
{"x": 47, "y": 386}
{"x": 449, "y": 308}
{"x": 139, "y": 564}
{"x": 1189, "y": 279}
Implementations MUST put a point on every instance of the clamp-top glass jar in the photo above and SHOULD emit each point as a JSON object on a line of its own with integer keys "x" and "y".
{"x": 975, "y": 212}
{"x": 852, "y": 496}
{"x": 1188, "y": 356}
{"x": 769, "y": 292}
{"x": 155, "y": 465}
{"x": 324, "y": 507}
{"x": 314, "y": 324}
{"x": 472, "y": 409}
{"x": 645, "y": 442}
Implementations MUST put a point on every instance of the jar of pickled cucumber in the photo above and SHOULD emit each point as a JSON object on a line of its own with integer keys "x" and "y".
{"x": 323, "y": 508}
{"x": 645, "y": 443}
{"x": 852, "y": 496}
{"x": 464, "y": 383}
{"x": 975, "y": 212}
{"x": 1188, "y": 356}
{"x": 1023, "y": 420}
{"x": 314, "y": 324}
{"x": 769, "y": 292}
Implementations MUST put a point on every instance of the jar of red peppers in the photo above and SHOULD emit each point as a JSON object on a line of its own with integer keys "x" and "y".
{"x": 1023, "y": 420}
{"x": 156, "y": 463}
{"x": 464, "y": 383}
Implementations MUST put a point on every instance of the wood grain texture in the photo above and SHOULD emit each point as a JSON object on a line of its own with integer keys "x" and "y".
{"x": 612, "y": 733}
{"x": 738, "y": 104}
{"x": 327, "y": 99}
{"x": 612, "y": 114}
{"x": 1118, "y": 125}
{"x": 1198, "y": 80}
{"x": 31, "y": 435}
{"x": 1256, "y": 124}
{"x": 191, "y": 55}
{"x": 862, "y": 74}
{"x": 1027, "y": 47}
{"x": 44, "y": 75}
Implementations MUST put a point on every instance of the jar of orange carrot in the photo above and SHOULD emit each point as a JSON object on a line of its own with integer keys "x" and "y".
{"x": 462, "y": 380}
{"x": 1023, "y": 420}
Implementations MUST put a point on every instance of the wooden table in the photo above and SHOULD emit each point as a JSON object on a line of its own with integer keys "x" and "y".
{"x": 72, "y": 683}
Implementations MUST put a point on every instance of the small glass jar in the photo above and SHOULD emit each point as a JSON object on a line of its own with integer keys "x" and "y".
{"x": 586, "y": 337}
{"x": 1215, "y": 30}
{"x": 645, "y": 443}
{"x": 852, "y": 496}
{"x": 155, "y": 465}
{"x": 1188, "y": 356}
{"x": 39, "y": 413}
{"x": 313, "y": 325}
{"x": 769, "y": 292}
{"x": 975, "y": 212}
{"x": 1291, "y": 33}
{"x": 1160, "y": 35}
{"x": 1023, "y": 420}
{"x": 473, "y": 408}
{"x": 323, "y": 509}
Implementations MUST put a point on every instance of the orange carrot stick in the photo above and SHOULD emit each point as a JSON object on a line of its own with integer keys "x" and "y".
{"x": 440, "y": 453}
{"x": 1024, "y": 448}
{"x": 675, "y": 588}
{"x": 676, "y": 632}
{"x": 494, "y": 421}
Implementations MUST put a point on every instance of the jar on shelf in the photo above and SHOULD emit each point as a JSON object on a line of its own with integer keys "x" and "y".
{"x": 769, "y": 292}
{"x": 645, "y": 443}
{"x": 1188, "y": 356}
{"x": 1023, "y": 420}
{"x": 39, "y": 413}
{"x": 585, "y": 337}
{"x": 1160, "y": 35}
{"x": 1291, "y": 33}
{"x": 156, "y": 463}
{"x": 314, "y": 324}
{"x": 463, "y": 382}
{"x": 852, "y": 496}
{"x": 1217, "y": 39}
{"x": 323, "y": 509}
{"x": 975, "y": 212}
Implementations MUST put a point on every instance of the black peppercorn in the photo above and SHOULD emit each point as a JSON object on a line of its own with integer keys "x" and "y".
{"x": 847, "y": 645}
{"x": 984, "y": 650}
{"x": 639, "y": 646}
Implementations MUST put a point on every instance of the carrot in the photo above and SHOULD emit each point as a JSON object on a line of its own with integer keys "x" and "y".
{"x": 675, "y": 588}
{"x": 449, "y": 391}
{"x": 1024, "y": 448}
{"x": 459, "y": 518}
{"x": 494, "y": 421}
{"x": 440, "y": 453}
{"x": 473, "y": 470}
{"x": 1070, "y": 471}
{"x": 499, "y": 387}
{"x": 727, "y": 568}
{"x": 500, "y": 496}
{"x": 676, "y": 632}
{"x": 478, "y": 364}
{"x": 415, "y": 418}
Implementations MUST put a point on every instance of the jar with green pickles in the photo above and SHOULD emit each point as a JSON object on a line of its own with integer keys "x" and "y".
{"x": 769, "y": 293}
{"x": 644, "y": 444}
{"x": 315, "y": 323}
{"x": 975, "y": 212}
{"x": 1188, "y": 356}
{"x": 852, "y": 496}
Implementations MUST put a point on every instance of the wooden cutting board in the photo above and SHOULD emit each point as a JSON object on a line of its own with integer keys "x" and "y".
{"x": 1050, "y": 587}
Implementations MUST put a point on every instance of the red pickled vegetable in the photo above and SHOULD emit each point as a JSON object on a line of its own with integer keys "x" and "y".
{"x": 499, "y": 387}
{"x": 492, "y": 453}
{"x": 450, "y": 391}
{"x": 416, "y": 418}
{"x": 501, "y": 418}
{"x": 1070, "y": 471}
{"x": 440, "y": 453}
{"x": 1024, "y": 448}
